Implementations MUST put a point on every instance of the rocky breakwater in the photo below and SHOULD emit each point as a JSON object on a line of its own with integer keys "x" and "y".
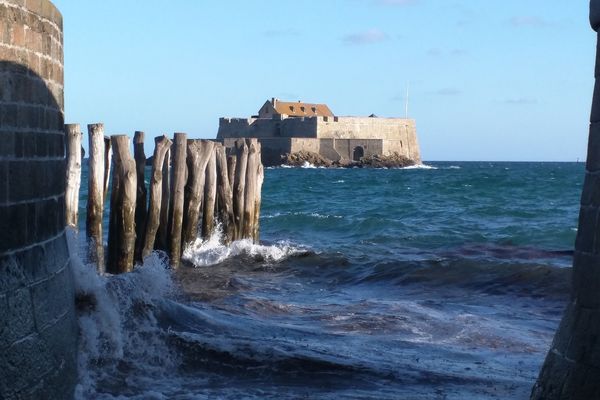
{"x": 303, "y": 158}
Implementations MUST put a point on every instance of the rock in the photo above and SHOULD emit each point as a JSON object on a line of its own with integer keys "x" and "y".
{"x": 300, "y": 158}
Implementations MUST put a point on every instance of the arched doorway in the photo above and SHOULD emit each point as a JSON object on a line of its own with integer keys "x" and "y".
{"x": 358, "y": 153}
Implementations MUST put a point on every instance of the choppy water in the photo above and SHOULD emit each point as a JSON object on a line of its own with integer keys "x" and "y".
{"x": 433, "y": 283}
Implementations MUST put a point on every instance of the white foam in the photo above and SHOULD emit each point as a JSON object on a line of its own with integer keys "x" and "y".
{"x": 120, "y": 324}
{"x": 204, "y": 253}
{"x": 419, "y": 166}
{"x": 296, "y": 213}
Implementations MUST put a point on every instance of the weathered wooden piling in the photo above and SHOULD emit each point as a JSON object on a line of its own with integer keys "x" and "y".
{"x": 73, "y": 181}
{"x": 142, "y": 193}
{"x": 177, "y": 198}
{"x": 95, "y": 204}
{"x": 231, "y": 163}
{"x": 224, "y": 195}
{"x": 198, "y": 153}
{"x": 107, "y": 163}
{"x": 162, "y": 146}
{"x": 210, "y": 197}
{"x": 260, "y": 178}
{"x": 203, "y": 186}
{"x": 121, "y": 232}
{"x": 162, "y": 235}
{"x": 250, "y": 189}
{"x": 241, "y": 150}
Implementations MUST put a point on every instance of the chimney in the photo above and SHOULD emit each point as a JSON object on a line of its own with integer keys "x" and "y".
{"x": 274, "y": 101}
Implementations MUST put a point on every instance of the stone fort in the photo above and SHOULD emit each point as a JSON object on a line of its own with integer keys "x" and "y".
{"x": 290, "y": 127}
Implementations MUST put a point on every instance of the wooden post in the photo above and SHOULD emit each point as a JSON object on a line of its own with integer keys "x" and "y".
{"x": 177, "y": 198}
{"x": 231, "y": 161}
{"x": 224, "y": 194}
{"x": 142, "y": 193}
{"x": 239, "y": 185}
{"x": 210, "y": 195}
{"x": 95, "y": 203}
{"x": 162, "y": 236}
{"x": 107, "y": 161}
{"x": 199, "y": 152}
{"x": 121, "y": 233}
{"x": 250, "y": 190}
{"x": 73, "y": 136}
{"x": 260, "y": 178}
{"x": 162, "y": 145}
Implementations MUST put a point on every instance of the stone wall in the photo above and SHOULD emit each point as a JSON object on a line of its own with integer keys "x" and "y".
{"x": 38, "y": 329}
{"x": 572, "y": 367}
{"x": 399, "y": 135}
{"x": 332, "y": 137}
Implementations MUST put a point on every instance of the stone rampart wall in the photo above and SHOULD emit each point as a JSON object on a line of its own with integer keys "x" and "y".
{"x": 38, "y": 330}
{"x": 338, "y": 135}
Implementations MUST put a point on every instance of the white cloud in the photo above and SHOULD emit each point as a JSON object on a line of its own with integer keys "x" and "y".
{"x": 528, "y": 21}
{"x": 368, "y": 37}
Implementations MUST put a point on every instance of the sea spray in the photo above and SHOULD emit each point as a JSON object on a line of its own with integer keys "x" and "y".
{"x": 212, "y": 251}
{"x": 118, "y": 330}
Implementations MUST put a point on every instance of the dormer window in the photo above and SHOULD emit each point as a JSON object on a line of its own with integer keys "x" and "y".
{"x": 302, "y": 108}
{"x": 314, "y": 109}
{"x": 292, "y": 108}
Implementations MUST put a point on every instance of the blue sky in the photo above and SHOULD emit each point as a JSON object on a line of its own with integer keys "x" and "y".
{"x": 489, "y": 80}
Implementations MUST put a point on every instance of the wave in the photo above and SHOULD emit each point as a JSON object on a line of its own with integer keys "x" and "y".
{"x": 419, "y": 166}
{"x": 491, "y": 270}
{"x": 300, "y": 213}
{"x": 204, "y": 253}
{"x": 118, "y": 330}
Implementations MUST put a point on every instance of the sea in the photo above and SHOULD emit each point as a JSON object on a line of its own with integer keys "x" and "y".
{"x": 441, "y": 281}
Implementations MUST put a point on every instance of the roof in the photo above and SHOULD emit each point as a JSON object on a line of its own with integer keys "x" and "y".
{"x": 299, "y": 109}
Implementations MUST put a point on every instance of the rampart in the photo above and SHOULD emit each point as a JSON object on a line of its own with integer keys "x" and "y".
{"x": 334, "y": 138}
{"x": 38, "y": 330}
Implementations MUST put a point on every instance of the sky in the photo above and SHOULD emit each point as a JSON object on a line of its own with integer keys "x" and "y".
{"x": 507, "y": 80}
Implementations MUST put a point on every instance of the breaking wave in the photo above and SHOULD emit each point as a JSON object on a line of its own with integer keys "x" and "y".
{"x": 204, "y": 253}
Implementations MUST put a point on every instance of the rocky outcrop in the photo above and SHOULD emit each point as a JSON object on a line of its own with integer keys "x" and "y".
{"x": 303, "y": 158}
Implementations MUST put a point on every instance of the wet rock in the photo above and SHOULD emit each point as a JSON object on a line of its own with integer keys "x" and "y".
{"x": 301, "y": 158}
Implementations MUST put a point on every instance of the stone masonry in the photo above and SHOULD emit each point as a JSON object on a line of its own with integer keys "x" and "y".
{"x": 572, "y": 367}
{"x": 334, "y": 138}
{"x": 38, "y": 328}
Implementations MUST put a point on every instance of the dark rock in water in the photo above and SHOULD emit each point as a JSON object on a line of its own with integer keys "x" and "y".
{"x": 299, "y": 158}
{"x": 393, "y": 160}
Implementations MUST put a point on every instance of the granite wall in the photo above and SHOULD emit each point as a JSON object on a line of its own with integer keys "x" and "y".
{"x": 571, "y": 370}
{"x": 38, "y": 329}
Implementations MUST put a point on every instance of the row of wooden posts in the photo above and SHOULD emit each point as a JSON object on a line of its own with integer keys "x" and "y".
{"x": 194, "y": 185}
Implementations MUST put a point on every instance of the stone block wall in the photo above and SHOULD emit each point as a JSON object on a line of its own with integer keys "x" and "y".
{"x": 38, "y": 329}
{"x": 571, "y": 370}
{"x": 345, "y": 147}
{"x": 332, "y": 137}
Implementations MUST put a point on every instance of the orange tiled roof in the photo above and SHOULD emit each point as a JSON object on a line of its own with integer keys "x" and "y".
{"x": 299, "y": 109}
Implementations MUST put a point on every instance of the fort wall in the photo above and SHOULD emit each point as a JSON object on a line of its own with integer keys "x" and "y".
{"x": 38, "y": 328}
{"x": 334, "y": 138}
